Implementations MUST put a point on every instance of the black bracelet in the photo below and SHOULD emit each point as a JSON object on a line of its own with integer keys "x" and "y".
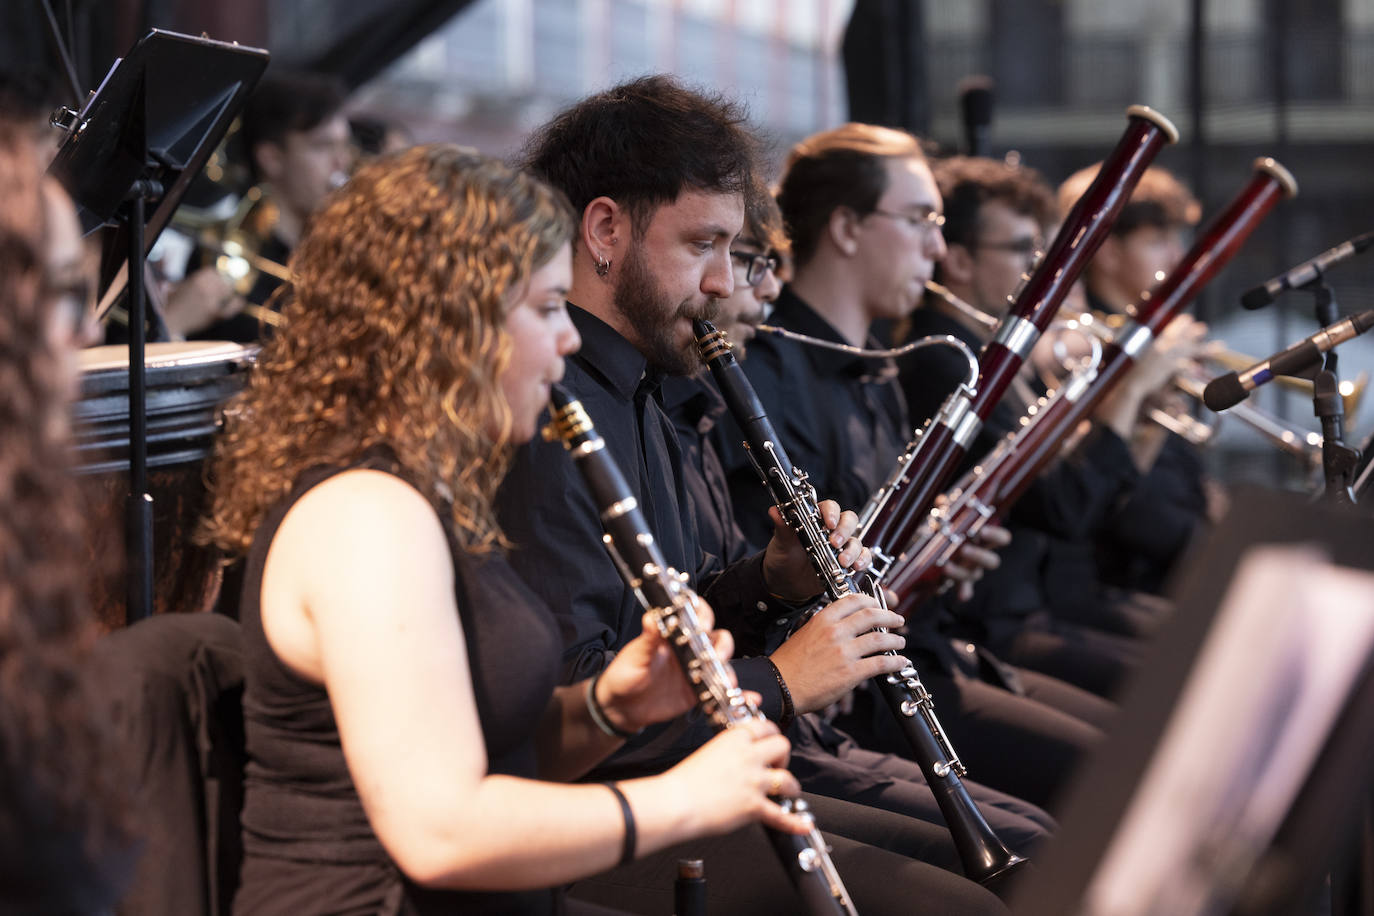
{"x": 789, "y": 709}
{"x": 627, "y": 849}
{"x": 599, "y": 715}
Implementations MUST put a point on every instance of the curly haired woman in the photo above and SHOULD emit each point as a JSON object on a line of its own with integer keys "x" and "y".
{"x": 401, "y": 709}
{"x": 63, "y": 829}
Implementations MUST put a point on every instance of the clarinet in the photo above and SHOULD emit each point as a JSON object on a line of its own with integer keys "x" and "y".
{"x": 984, "y": 856}
{"x": 661, "y": 590}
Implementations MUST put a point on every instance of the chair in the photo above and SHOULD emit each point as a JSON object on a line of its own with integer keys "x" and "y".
{"x": 174, "y": 683}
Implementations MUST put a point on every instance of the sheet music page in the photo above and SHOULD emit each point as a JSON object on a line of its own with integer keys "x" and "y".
{"x": 1290, "y": 638}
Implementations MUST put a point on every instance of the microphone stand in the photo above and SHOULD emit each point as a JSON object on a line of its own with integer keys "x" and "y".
{"x": 1324, "y": 307}
{"x": 1339, "y": 460}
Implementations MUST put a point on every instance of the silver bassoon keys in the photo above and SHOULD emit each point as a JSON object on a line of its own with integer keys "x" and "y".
{"x": 662, "y": 591}
{"x": 983, "y": 855}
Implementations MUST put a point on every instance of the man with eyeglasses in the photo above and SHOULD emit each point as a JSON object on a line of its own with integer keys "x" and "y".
{"x": 865, "y": 238}
{"x": 1135, "y": 548}
{"x": 1148, "y": 238}
{"x": 825, "y": 761}
{"x": 995, "y": 218}
{"x": 864, "y": 215}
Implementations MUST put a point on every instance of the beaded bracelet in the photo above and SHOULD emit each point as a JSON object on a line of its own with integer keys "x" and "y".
{"x": 789, "y": 709}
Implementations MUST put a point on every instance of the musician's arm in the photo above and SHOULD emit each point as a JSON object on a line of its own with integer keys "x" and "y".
{"x": 544, "y": 502}
{"x": 643, "y": 685}
{"x": 400, "y": 686}
{"x": 1075, "y": 495}
{"x": 1159, "y": 517}
{"x": 555, "y": 534}
{"x": 750, "y": 613}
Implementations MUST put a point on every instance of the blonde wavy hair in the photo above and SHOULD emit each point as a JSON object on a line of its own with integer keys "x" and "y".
{"x": 393, "y": 334}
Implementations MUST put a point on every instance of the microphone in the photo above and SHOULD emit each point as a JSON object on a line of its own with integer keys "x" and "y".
{"x": 975, "y": 106}
{"x": 1233, "y": 387}
{"x": 1304, "y": 273}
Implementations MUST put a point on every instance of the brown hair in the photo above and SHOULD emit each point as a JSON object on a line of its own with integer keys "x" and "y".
{"x": 844, "y": 167}
{"x": 57, "y": 773}
{"x": 968, "y": 182}
{"x": 763, "y": 221}
{"x": 1159, "y": 200}
{"x": 393, "y": 335}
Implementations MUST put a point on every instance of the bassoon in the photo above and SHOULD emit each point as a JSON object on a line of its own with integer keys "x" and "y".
{"x": 989, "y": 489}
{"x": 984, "y": 856}
{"x": 930, "y": 460}
{"x": 662, "y": 591}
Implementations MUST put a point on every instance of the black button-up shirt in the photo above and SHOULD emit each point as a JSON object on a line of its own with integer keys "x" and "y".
{"x": 841, "y": 417}
{"x": 547, "y": 512}
{"x": 696, "y": 407}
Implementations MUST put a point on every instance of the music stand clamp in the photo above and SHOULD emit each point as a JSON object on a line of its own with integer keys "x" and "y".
{"x": 140, "y": 138}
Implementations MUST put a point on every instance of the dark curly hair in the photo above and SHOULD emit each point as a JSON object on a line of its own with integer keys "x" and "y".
{"x": 763, "y": 221}
{"x": 393, "y": 335}
{"x": 60, "y": 790}
{"x": 642, "y": 144}
{"x": 968, "y": 182}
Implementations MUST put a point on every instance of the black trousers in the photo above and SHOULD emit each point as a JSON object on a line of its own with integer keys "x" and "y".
{"x": 1026, "y": 746}
{"x": 828, "y": 762}
{"x": 745, "y": 878}
{"x": 1123, "y": 612}
{"x": 1083, "y": 656}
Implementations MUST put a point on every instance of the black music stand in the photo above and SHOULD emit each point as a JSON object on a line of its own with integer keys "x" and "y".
{"x": 1219, "y": 791}
{"x": 141, "y": 137}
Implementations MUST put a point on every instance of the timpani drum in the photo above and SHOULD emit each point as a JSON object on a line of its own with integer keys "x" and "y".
{"x": 187, "y": 386}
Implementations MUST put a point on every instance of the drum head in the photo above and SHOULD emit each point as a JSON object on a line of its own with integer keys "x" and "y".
{"x": 186, "y": 383}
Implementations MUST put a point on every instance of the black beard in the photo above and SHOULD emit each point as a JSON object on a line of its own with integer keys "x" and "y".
{"x": 652, "y": 315}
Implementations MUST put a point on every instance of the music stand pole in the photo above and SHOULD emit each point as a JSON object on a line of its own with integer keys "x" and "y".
{"x": 140, "y": 138}
{"x": 138, "y": 507}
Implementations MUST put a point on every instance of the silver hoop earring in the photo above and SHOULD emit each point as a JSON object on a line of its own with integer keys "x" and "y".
{"x": 603, "y": 267}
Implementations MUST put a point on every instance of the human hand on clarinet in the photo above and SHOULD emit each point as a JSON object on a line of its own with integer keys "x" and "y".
{"x": 737, "y": 778}
{"x": 788, "y": 571}
{"x": 838, "y": 649}
{"x": 644, "y": 683}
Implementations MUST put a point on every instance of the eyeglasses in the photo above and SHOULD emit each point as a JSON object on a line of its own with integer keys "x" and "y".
{"x": 69, "y": 297}
{"x": 923, "y": 220}
{"x": 1024, "y": 246}
{"x": 756, "y": 265}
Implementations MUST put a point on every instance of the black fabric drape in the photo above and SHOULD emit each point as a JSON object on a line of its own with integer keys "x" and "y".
{"x": 352, "y": 39}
